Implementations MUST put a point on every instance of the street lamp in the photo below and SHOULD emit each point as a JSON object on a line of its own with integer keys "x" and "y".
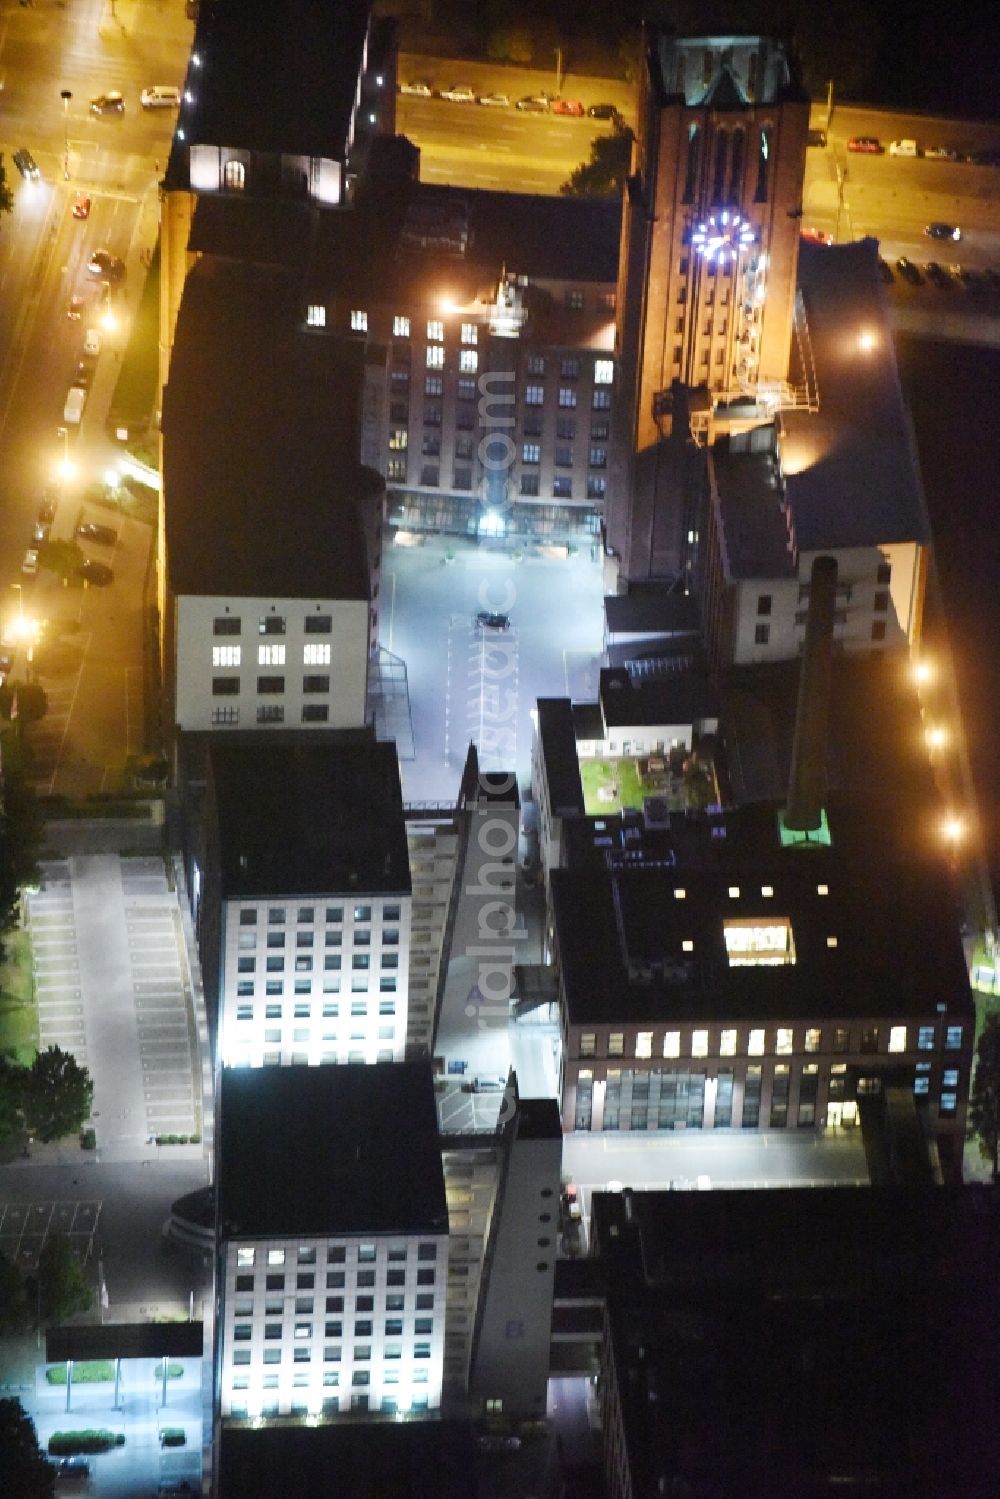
{"x": 66, "y": 468}
{"x": 66, "y": 95}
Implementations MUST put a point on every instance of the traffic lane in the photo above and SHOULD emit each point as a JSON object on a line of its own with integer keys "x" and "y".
{"x": 889, "y": 125}
{"x": 498, "y": 149}
{"x": 516, "y": 82}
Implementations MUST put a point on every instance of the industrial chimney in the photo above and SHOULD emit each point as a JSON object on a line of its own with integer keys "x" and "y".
{"x": 807, "y": 782}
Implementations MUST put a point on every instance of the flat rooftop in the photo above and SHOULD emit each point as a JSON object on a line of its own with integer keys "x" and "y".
{"x": 329, "y": 1150}
{"x": 387, "y": 1459}
{"x": 861, "y": 935}
{"x": 754, "y": 528}
{"x": 333, "y": 821}
{"x": 557, "y": 738}
{"x": 851, "y": 468}
{"x": 276, "y": 75}
{"x": 261, "y": 478}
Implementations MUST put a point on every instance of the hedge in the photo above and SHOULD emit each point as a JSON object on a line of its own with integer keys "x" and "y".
{"x": 178, "y": 1139}
{"x": 69, "y": 1443}
{"x": 173, "y": 1436}
{"x": 102, "y": 1371}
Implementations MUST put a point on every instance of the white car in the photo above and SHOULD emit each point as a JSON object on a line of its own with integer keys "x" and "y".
{"x": 495, "y": 101}
{"x": 418, "y": 87}
{"x": 92, "y": 343}
{"x": 459, "y": 93}
{"x": 30, "y": 564}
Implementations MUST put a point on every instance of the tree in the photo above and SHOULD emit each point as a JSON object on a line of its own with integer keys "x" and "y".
{"x": 58, "y": 1094}
{"x": 6, "y": 196}
{"x": 60, "y": 1287}
{"x": 25, "y": 1473}
{"x": 604, "y": 174}
{"x": 11, "y": 1101}
{"x": 984, "y": 1100}
{"x": 14, "y": 1313}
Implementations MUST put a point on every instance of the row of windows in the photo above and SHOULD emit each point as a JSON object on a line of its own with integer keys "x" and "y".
{"x": 365, "y": 1252}
{"x": 465, "y": 447}
{"x": 273, "y": 624}
{"x": 268, "y": 686}
{"x": 270, "y": 655}
{"x": 359, "y": 1009}
{"x": 332, "y": 962}
{"x": 332, "y": 915}
{"x": 305, "y": 938}
{"x": 275, "y": 1287}
{"x": 467, "y": 393}
{"x": 332, "y": 1354}
{"x": 762, "y": 633}
{"x": 298, "y": 1328}
{"x": 402, "y": 327}
{"x": 361, "y": 983}
{"x": 758, "y": 1041}
{"x": 311, "y": 713}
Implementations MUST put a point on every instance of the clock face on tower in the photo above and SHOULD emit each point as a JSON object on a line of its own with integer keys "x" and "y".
{"x": 723, "y": 237}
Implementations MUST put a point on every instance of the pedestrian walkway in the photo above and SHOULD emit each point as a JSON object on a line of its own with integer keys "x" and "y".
{"x": 111, "y": 982}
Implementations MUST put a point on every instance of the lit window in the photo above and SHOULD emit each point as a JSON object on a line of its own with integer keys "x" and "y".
{"x": 953, "y": 1038}
{"x": 949, "y": 1078}
{"x": 616, "y": 1044}
{"x": 588, "y": 1043}
{"x": 925, "y": 1038}
{"x": 680, "y": 894}
{"x": 316, "y": 315}
{"x": 245, "y": 1257}
{"x": 470, "y": 333}
{"x": 699, "y": 1043}
{"x": 468, "y": 361}
{"x": 813, "y": 1039}
{"x": 398, "y": 439}
{"x": 604, "y": 371}
{"x": 672, "y": 1044}
{"x": 435, "y": 330}
{"x": 734, "y": 892}
{"x": 270, "y": 655}
{"x": 727, "y": 1043}
{"x": 226, "y": 655}
{"x": 687, "y": 946}
{"x": 275, "y": 1256}
{"x": 359, "y": 322}
{"x": 401, "y": 327}
{"x": 897, "y": 1038}
{"x": 755, "y": 1044}
{"x": 767, "y": 891}
{"x": 316, "y": 655}
{"x": 831, "y": 941}
{"x": 822, "y": 890}
{"x": 644, "y": 1044}
{"x": 435, "y": 357}
{"x": 783, "y": 1044}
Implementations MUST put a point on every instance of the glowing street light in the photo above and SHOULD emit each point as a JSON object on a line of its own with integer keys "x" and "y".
{"x": 953, "y": 829}
{"x": 867, "y": 340}
{"x": 923, "y": 672}
{"x": 936, "y": 737}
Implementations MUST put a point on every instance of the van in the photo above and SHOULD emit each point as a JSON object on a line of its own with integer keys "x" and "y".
{"x": 75, "y": 402}
{"x": 160, "y": 96}
{"x": 92, "y": 343}
{"x": 903, "y": 148}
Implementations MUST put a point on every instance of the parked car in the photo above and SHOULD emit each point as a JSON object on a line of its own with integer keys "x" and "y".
{"x": 98, "y": 573}
{"x": 459, "y": 93}
{"x": 535, "y": 104}
{"x": 940, "y": 153}
{"x": 41, "y": 532}
{"x": 966, "y": 277}
{"x": 81, "y": 206}
{"x": 92, "y": 531}
{"x": 936, "y": 274}
{"x": 907, "y": 147}
{"x": 26, "y": 165}
{"x": 816, "y": 138}
{"x": 92, "y": 343}
{"x": 29, "y": 563}
{"x": 417, "y": 86}
{"x": 6, "y": 662}
{"x": 160, "y": 96}
{"x": 489, "y": 619}
{"x": 47, "y": 512}
{"x": 817, "y": 236}
{"x": 84, "y": 374}
{"x": 937, "y": 230}
{"x": 908, "y": 271}
{"x": 568, "y": 107}
{"x": 869, "y": 145}
{"x": 102, "y": 263}
{"x": 107, "y": 104}
{"x": 495, "y": 101}
{"x": 75, "y": 309}
{"x": 603, "y": 112}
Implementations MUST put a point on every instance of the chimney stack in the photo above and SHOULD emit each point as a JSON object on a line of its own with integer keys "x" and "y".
{"x": 807, "y": 782}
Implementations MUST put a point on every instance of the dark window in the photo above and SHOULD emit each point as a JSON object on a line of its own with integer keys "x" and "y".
{"x": 884, "y": 573}
{"x": 721, "y": 160}
{"x": 529, "y": 485}
{"x": 881, "y": 602}
{"x": 427, "y": 1252}
{"x": 878, "y": 630}
{"x": 271, "y": 624}
{"x": 736, "y": 167}
{"x": 562, "y": 488}
{"x": 315, "y": 684}
{"x": 764, "y": 602}
{"x": 224, "y": 625}
{"x": 225, "y": 686}
{"x": 244, "y": 1282}
{"x": 762, "y": 635}
{"x": 318, "y": 624}
{"x": 693, "y": 163}
{"x": 315, "y": 713}
{"x": 270, "y": 684}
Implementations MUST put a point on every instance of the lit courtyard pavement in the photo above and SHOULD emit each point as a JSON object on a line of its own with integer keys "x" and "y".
{"x": 466, "y": 684}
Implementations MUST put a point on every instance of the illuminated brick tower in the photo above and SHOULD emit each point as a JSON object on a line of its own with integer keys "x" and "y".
{"x": 706, "y": 280}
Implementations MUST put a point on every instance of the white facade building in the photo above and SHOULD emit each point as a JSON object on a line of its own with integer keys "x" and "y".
{"x": 268, "y": 663}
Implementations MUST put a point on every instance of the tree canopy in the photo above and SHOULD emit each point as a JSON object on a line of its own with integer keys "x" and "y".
{"x": 984, "y": 1099}
{"x": 60, "y": 1287}
{"x": 604, "y": 174}
{"x": 58, "y": 1094}
{"x": 25, "y": 1472}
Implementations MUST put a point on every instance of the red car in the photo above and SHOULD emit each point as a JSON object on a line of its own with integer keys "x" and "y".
{"x": 568, "y": 107}
{"x": 870, "y": 145}
{"x": 81, "y": 206}
{"x": 817, "y": 236}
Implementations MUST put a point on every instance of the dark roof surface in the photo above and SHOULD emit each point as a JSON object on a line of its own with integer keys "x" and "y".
{"x": 260, "y": 442}
{"x": 276, "y": 75}
{"x": 562, "y": 766}
{"x": 621, "y": 932}
{"x": 329, "y": 1150}
{"x": 851, "y": 468}
{"x": 653, "y": 610}
{"x": 369, "y": 1460}
{"x": 681, "y": 698}
{"x": 334, "y": 816}
{"x": 125, "y": 1340}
